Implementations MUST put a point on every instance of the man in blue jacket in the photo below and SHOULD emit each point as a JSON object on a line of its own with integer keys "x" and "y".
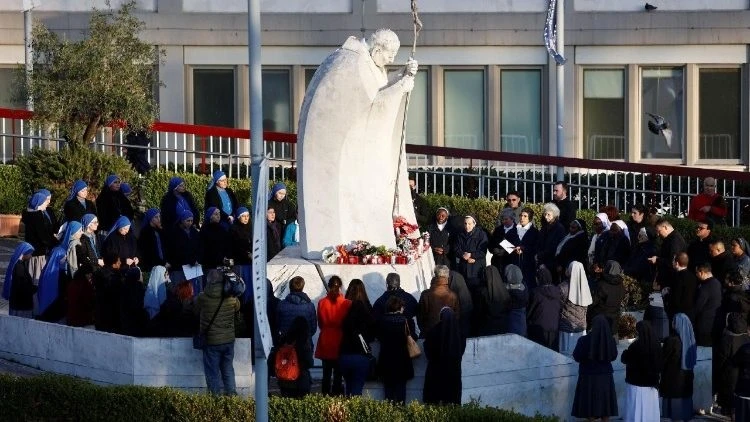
{"x": 295, "y": 304}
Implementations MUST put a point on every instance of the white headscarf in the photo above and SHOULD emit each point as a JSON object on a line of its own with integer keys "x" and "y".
{"x": 605, "y": 220}
{"x": 624, "y": 227}
{"x": 578, "y": 291}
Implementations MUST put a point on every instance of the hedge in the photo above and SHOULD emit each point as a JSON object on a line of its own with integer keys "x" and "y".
{"x": 55, "y": 397}
{"x": 13, "y": 200}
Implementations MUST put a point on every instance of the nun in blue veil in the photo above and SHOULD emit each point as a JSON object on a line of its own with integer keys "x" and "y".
{"x": 18, "y": 287}
{"x": 221, "y": 196}
{"x": 56, "y": 274}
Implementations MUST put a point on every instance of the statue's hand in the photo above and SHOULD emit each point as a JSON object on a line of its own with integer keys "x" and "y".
{"x": 407, "y": 83}
{"x": 411, "y": 67}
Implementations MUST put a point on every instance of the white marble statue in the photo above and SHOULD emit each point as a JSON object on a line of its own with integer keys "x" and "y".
{"x": 349, "y": 144}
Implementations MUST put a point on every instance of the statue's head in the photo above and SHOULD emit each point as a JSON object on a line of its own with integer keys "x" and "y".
{"x": 383, "y": 45}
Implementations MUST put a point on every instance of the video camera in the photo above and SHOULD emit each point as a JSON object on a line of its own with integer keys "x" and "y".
{"x": 234, "y": 285}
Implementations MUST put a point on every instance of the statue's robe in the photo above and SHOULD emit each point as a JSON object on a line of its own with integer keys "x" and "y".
{"x": 348, "y": 149}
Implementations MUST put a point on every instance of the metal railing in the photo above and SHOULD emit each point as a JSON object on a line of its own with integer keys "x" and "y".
{"x": 450, "y": 171}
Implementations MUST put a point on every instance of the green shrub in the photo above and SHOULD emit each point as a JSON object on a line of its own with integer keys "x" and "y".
{"x": 57, "y": 170}
{"x": 13, "y": 198}
{"x": 54, "y": 397}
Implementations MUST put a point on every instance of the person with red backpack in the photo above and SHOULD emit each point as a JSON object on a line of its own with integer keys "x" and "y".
{"x": 294, "y": 358}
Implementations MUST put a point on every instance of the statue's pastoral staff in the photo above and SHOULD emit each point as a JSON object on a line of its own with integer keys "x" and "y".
{"x": 349, "y": 146}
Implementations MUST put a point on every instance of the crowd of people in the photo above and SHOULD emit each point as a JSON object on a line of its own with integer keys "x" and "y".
{"x": 560, "y": 285}
{"x": 92, "y": 264}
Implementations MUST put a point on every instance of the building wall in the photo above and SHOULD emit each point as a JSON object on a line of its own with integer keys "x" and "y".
{"x": 687, "y": 60}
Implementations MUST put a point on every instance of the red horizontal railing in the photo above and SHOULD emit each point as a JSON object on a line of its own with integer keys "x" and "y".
{"x": 471, "y": 154}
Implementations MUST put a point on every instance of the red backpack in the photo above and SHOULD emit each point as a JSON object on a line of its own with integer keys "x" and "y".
{"x": 286, "y": 364}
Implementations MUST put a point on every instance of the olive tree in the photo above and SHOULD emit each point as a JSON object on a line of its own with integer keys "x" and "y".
{"x": 106, "y": 77}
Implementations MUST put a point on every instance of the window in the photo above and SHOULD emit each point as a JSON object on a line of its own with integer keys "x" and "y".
{"x": 418, "y": 118}
{"x": 719, "y": 107}
{"x": 663, "y": 94}
{"x": 309, "y": 73}
{"x": 604, "y": 114}
{"x": 7, "y": 77}
{"x": 521, "y": 121}
{"x": 213, "y": 97}
{"x": 464, "y": 108}
{"x": 214, "y": 105}
{"x": 277, "y": 109}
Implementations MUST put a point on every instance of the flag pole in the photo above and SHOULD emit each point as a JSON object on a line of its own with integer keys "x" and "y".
{"x": 560, "y": 85}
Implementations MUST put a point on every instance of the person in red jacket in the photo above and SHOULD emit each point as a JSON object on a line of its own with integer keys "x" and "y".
{"x": 709, "y": 204}
{"x": 331, "y": 312}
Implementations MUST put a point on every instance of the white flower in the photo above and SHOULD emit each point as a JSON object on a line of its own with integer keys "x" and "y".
{"x": 329, "y": 255}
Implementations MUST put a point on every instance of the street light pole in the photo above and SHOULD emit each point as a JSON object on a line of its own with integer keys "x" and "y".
{"x": 28, "y": 24}
{"x": 260, "y": 366}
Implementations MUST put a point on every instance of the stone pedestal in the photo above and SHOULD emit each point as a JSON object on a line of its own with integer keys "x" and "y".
{"x": 288, "y": 263}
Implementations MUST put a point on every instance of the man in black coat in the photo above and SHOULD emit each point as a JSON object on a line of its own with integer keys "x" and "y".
{"x": 567, "y": 207}
{"x": 393, "y": 288}
{"x": 698, "y": 248}
{"x": 138, "y": 157}
{"x": 440, "y": 234}
{"x": 672, "y": 244}
{"x": 680, "y": 293}
{"x": 707, "y": 303}
{"x": 722, "y": 262}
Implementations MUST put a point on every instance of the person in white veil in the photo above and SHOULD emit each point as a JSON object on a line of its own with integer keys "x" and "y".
{"x": 576, "y": 297}
{"x": 156, "y": 291}
{"x": 601, "y": 225}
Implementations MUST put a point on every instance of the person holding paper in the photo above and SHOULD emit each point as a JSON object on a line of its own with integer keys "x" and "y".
{"x": 185, "y": 251}
{"x": 503, "y": 241}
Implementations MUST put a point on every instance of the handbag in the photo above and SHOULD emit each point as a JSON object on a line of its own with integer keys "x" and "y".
{"x": 411, "y": 345}
{"x": 372, "y": 368}
{"x": 200, "y": 339}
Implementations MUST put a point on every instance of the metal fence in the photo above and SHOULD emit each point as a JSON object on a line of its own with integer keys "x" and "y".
{"x": 450, "y": 171}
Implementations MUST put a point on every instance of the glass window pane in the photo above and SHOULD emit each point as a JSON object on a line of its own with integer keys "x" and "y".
{"x": 604, "y": 114}
{"x": 309, "y": 73}
{"x": 417, "y": 120}
{"x": 213, "y": 97}
{"x": 7, "y": 76}
{"x": 464, "y": 108}
{"x": 521, "y": 122}
{"x": 662, "y": 94}
{"x": 277, "y": 109}
{"x": 720, "y": 114}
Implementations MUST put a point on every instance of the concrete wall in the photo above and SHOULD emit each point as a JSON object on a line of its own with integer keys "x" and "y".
{"x": 506, "y": 371}
{"x": 112, "y": 359}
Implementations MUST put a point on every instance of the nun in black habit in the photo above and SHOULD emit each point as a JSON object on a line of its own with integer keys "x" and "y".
{"x": 444, "y": 348}
{"x": 595, "y": 395}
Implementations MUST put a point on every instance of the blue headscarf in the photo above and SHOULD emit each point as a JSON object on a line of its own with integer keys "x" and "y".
{"x": 120, "y": 223}
{"x": 150, "y": 214}
{"x": 126, "y": 189}
{"x": 156, "y": 291}
{"x": 86, "y": 220}
{"x": 689, "y": 348}
{"x": 174, "y": 182}
{"x": 21, "y": 250}
{"x": 184, "y": 215}
{"x": 49, "y": 279}
{"x": 38, "y": 198}
{"x": 240, "y": 211}
{"x": 110, "y": 179}
{"x": 207, "y": 215}
{"x": 70, "y": 228}
{"x": 78, "y": 186}
{"x": 277, "y": 187}
{"x": 218, "y": 174}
